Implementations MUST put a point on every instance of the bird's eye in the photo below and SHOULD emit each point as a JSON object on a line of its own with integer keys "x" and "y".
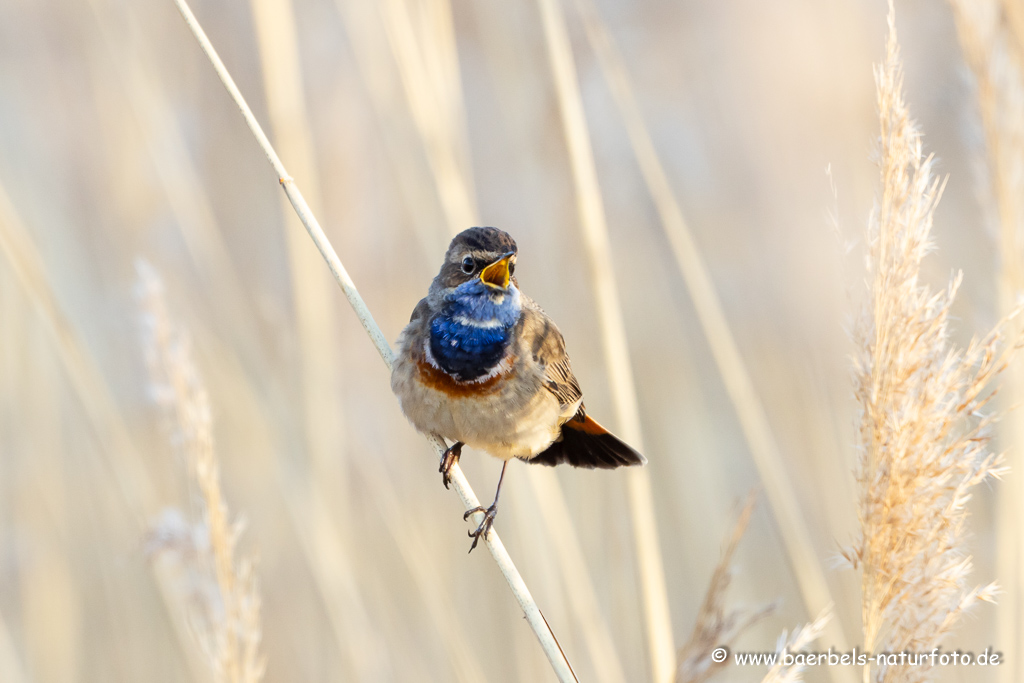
{"x": 468, "y": 265}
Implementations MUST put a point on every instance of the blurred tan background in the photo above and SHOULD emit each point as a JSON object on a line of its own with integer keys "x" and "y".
{"x": 117, "y": 142}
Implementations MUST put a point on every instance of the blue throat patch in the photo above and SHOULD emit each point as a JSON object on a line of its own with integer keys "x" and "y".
{"x": 470, "y": 334}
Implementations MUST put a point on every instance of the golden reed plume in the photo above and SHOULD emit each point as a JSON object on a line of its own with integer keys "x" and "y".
{"x": 924, "y": 439}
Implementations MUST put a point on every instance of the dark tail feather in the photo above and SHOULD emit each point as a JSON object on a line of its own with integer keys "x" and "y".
{"x": 585, "y": 443}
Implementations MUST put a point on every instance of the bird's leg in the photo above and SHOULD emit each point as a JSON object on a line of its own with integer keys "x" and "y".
{"x": 489, "y": 513}
{"x": 450, "y": 457}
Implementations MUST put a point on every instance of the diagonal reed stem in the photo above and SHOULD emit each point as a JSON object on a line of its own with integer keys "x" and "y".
{"x": 522, "y": 594}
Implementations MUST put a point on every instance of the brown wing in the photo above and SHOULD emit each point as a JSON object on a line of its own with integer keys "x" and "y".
{"x": 559, "y": 380}
{"x": 582, "y": 442}
{"x": 547, "y": 346}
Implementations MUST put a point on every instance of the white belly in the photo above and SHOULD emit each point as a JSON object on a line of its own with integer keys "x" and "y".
{"x": 513, "y": 416}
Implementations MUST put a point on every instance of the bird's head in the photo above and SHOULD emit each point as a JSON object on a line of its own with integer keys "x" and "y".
{"x": 478, "y": 271}
{"x": 479, "y": 255}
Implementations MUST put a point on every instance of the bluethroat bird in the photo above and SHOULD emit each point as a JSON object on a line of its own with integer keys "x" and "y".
{"x": 482, "y": 365}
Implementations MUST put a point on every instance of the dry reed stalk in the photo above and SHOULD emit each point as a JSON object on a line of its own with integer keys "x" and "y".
{"x": 714, "y": 627}
{"x": 923, "y": 437}
{"x": 233, "y": 640}
{"x": 519, "y": 589}
{"x": 749, "y": 408}
{"x": 620, "y": 374}
{"x": 991, "y": 36}
{"x": 801, "y": 638}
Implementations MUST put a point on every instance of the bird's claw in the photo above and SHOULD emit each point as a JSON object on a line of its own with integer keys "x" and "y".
{"x": 450, "y": 457}
{"x": 485, "y": 526}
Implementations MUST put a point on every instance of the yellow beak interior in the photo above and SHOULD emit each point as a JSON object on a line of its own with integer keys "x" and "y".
{"x": 497, "y": 274}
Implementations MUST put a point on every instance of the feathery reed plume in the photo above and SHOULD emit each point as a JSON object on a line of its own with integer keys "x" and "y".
{"x": 923, "y": 437}
{"x": 229, "y": 623}
{"x": 801, "y": 638}
{"x": 714, "y": 627}
{"x": 991, "y": 35}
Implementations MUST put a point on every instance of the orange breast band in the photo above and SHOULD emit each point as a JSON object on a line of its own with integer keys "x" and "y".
{"x": 435, "y": 378}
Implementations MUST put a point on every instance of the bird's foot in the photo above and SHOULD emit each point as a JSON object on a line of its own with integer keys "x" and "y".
{"x": 485, "y": 526}
{"x": 450, "y": 457}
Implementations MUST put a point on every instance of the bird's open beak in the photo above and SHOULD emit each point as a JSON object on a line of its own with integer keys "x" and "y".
{"x": 497, "y": 274}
